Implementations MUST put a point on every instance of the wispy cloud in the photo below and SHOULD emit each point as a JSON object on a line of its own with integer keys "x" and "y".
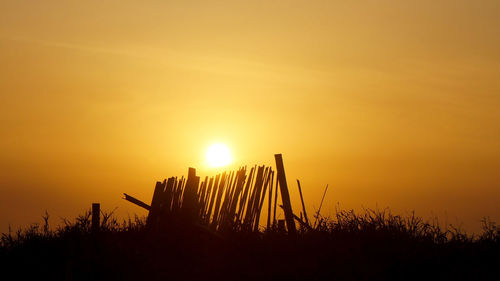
{"x": 229, "y": 66}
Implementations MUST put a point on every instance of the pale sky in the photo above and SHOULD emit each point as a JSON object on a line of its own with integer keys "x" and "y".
{"x": 392, "y": 103}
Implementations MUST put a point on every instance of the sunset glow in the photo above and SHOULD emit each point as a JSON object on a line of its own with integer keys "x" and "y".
{"x": 249, "y": 140}
{"x": 394, "y": 103}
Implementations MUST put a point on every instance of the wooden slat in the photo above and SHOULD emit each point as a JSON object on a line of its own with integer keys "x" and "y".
{"x": 243, "y": 201}
{"x": 237, "y": 195}
{"x": 136, "y": 202}
{"x": 269, "y": 204}
{"x": 176, "y": 201}
{"x": 275, "y": 200}
{"x": 155, "y": 204}
{"x": 226, "y": 199}
{"x": 166, "y": 201}
{"x": 207, "y": 198}
{"x": 248, "y": 221}
{"x": 201, "y": 196}
{"x": 213, "y": 198}
{"x": 220, "y": 191}
{"x": 262, "y": 199}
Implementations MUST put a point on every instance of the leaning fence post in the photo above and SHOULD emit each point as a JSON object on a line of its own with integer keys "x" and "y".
{"x": 96, "y": 216}
{"x": 285, "y": 196}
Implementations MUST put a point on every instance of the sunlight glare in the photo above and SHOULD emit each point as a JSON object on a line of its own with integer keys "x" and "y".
{"x": 218, "y": 155}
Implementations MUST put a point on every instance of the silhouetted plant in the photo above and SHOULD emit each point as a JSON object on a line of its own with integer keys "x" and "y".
{"x": 372, "y": 244}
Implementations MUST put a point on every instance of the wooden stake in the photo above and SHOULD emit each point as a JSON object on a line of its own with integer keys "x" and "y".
{"x": 275, "y": 200}
{"x": 285, "y": 196}
{"x": 270, "y": 201}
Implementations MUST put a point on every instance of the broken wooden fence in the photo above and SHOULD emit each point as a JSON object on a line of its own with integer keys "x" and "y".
{"x": 228, "y": 201}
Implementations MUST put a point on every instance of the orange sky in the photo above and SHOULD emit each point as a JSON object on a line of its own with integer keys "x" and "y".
{"x": 392, "y": 103}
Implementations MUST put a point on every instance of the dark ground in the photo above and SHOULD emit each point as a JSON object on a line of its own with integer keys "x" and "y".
{"x": 352, "y": 247}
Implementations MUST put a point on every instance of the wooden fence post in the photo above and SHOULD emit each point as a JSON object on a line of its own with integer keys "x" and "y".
{"x": 190, "y": 206}
{"x": 285, "y": 196}
{"x": 96, "y": 217}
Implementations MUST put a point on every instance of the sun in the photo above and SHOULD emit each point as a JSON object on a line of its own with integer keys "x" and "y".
{"x": 218, "y": 155}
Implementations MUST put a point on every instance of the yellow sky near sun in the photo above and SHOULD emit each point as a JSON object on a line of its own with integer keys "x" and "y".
{"x": 392, "y": 103}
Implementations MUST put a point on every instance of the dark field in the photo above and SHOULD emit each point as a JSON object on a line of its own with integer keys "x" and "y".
{"x": 372, "y": 246}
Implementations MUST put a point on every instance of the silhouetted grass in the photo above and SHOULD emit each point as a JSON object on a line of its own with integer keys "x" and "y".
{"x": 373, "y": 245}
